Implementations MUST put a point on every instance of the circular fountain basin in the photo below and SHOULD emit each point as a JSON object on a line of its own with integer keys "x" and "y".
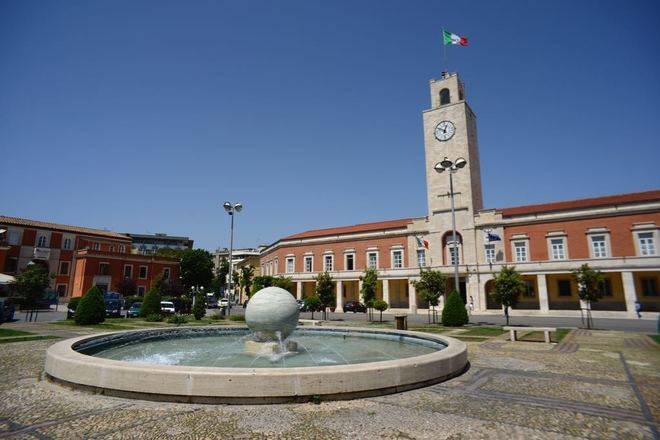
{"x": 209, "y": 365}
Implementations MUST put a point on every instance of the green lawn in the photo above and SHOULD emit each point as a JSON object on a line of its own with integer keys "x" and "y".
{"x": 483, "y": 331}
{"x": 656, "y": 338}
{"x": 4, "y": 332}
{"x": 538, "y": 336}
{"x": 26, "y": 338}
{"x": 135, "y": 323}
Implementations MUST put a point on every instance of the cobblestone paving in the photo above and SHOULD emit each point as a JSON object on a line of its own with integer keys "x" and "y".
{"x": 594, "y": 384}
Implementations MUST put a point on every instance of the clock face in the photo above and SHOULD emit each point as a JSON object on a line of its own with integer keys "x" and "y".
{"x": 444, "y": 131}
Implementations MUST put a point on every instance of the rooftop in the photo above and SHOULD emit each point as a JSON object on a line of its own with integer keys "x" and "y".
{"x": 618, "y": 199}
{"x": 6, "y": 220}
{"x": 363, "y": 227}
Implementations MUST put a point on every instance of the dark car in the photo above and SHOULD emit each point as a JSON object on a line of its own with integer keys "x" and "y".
{"x": 211, "y": 302}
{"x": 134, "y": 311}
{"x": 301, "y": 305}
{"x": 7, "y": 309}
{"x": 355, "y": 307}
{"x": 113, "y": 308}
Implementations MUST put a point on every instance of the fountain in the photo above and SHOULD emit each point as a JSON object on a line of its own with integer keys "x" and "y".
{"x": 272, "y": 360}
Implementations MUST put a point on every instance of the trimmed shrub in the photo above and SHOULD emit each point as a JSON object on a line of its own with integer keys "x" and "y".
{"x": 454, "y": 313}
{"x": 73, "y": 303}
{"x": 154, "y": 317}
{"x": 91, "y": 308}
{"x": 177, "y": 319}
{"x": 381, "y": 306}
{"x": 151, "y": 303}
{"x": 313, "y": 304}
{"x": 199, "y": 309}
{"x": 217, "y": 317}
{"x": 237, "y": 318}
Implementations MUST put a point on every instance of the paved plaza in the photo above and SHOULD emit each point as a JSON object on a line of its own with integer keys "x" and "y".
{"x": 593, "y": 384}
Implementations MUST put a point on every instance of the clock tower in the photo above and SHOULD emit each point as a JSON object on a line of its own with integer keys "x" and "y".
{"x": 450, "y": 130}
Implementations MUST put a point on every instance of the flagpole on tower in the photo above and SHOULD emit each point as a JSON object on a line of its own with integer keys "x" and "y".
{"x": 444, "y": 52}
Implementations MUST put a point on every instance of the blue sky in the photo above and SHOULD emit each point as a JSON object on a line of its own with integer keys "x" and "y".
{"x": 144, "y": 116}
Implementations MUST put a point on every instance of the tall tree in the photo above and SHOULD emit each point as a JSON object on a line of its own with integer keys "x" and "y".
{"x": 589, "y": 282}
{"x": 285, "y": 283}
{"x": 31, "y": 284}
{"x": 508, "y": 286}
{"x": 126, "y": 287}
{"x": 196, "y": 268}
{"x": 369, "y": 287}
{"x": 170, "y": 253}
{"x": 431, "y": 285}
{"x": 247, "y": 272}
{"x": 220, "y": 281}
{"x": 323, "y": 290}
{"x": 262, "y": 281}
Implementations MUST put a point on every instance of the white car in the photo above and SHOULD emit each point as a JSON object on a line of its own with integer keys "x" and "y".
{"x": 224, "y": 302}
{"x": 167, "y": 307}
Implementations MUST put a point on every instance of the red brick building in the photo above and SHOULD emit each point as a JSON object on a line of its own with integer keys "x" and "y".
{"x": 78, "y": 257}
{"x": 617, "y": 235}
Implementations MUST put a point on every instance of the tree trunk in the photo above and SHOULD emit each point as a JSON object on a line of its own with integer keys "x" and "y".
{"x": 506, "y": 314}
{"x": 381, "y": 316}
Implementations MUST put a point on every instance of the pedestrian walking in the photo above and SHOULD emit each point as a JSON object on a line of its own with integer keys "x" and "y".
{"x": 638, "y": 308}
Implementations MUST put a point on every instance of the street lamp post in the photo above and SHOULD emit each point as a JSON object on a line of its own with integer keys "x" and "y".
{"x": 231, "y": 209}
{"x": 452, "y": 167}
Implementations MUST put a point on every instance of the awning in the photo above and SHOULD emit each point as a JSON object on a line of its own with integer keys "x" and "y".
{"x": 6, "y": 279}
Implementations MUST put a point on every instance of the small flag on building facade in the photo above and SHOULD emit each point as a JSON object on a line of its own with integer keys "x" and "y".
{"x": 449, "y": 38}
{"x": 421, "y": 242}
{"x": 492, "y": 237}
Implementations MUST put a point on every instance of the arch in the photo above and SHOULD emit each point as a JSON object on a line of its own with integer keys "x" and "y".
{"x": 445, "y": 97}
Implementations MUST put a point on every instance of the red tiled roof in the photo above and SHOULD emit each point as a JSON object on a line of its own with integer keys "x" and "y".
{"x": 58, "y": 227}
{"x": 566, "y": 205}
{"x": 363, "y": 227}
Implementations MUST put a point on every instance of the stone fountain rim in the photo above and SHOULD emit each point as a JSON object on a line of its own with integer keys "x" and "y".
{"x": 201, "y": 384}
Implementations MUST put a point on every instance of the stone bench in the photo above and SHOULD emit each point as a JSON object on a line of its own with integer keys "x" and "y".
{"x": 514, "y": 329}
{"x": 312, "y": 322}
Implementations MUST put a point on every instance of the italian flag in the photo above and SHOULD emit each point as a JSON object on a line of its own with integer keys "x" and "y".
{"x": 449, "y": 38}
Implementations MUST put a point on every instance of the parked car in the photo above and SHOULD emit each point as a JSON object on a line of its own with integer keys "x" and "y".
{"x": 113, "y": 308}
{"x": 355, "y": 307}
{"x": 134, "y": 310}
{"x": 301, "y": 305}
{"x": 211, "y": 302}
{"x": 224, "y": 302}
{"x": 6, "y": 310}
{"x": 167, "y": 307}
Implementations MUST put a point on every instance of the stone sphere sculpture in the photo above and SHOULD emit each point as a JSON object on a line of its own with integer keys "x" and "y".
{"x": 272, "y": 310}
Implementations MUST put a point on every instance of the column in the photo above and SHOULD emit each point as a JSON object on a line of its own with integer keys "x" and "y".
{"x": 544, "y": 306}
{"x": 629, "y": 292}
{"x": 386, "y": 291}
{"x": 412, "y": 298}
{"x": 340, "y": 298}
{"x": 359, "y": 291}
{"x": 299, "y": 291}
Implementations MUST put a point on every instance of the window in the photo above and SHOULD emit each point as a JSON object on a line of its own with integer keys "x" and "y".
{"x": 104, "y": 269}
{"x": 66, "y": 244}
{"x": 166, "y": 273}
{"x": 372, "y": 260}
{"x": 646, "y": 244}
{"x": 143, "y": 272}
{"x": 598, "y": 246}
{"x": 350, "y": 262}
{"x": 564, "y": 287}
{"x": 41, "y": 241}
{"x": 529, "y": 289}
{"x": 64, "y": 268}
{"x": 112, "y": 248}
{"x": 96, "y": 246}
{"x": 521, "y": 251}
{"x": 649, "y": 287}
{"x": 128, "y": 271}
{"x": 14, "y": 238}
{"x": 490, "y": 253}
{"x": 421, "y": 257}
{"x": 397, "y": 259}
{"x": 61, "y": 290}
{"x": 328, "y": 263}
{"x": 141, "y": 290}
{"x": 557, "y": 248}
{"x": 309, "y": 260}
{"x": 122, "y": 248}
{"x": 453, "y": 255}
{"x": 605, "y": 287}
{"x": 444, "y": 96}
{"x": 289, "y": 265}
